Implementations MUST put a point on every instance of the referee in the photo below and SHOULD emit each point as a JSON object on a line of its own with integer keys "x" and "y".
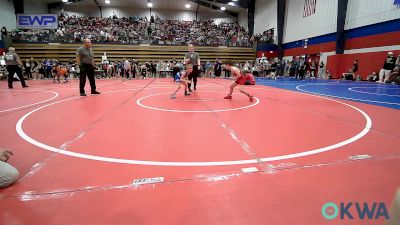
{"x": 192, "y": 58}
{"x": 85, "y": 60}
{"x": 13, "y": 62}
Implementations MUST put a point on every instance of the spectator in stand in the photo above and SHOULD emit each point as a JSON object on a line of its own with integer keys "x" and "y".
{"x": 131, "y": 31}
{"x": 388, "y": 66}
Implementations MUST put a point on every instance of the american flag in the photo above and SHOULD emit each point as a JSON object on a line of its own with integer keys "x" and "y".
{"x": 309, "y": 7}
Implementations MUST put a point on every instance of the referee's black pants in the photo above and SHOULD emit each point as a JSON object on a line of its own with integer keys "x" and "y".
{"x": 86, "y": 70}
{"x": 193, "y": 75}
{"x": 15, "y": 69}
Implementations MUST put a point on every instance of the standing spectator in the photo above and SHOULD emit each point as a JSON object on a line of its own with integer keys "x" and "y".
{"x": 127, "y": 68}
{"x": 143, "y": 70}
{"x": 280, "y": 67}
{"x": 287, "y": 67}
{"x": 153, "y": 67}
{"x": 313, "y": 67}
{"x": 388, "y": 66}
{"x": 133, "y": 68}
{"x": 302, "y": 69}
{"x": 355, "y": 68}
{"x": 8, "y": 174}
{"x": 321, "y": 70}
{"x": 4, "y": 31}
{"x": 292, "y": 70}
{"x": 217, "y": 68}
{"x": 149, "y": 31}
{"x": 13, "y": 66}
{"x": 28, "y": 68}
{"x": 192, "y": 58}
{"x": 85, "y": 60}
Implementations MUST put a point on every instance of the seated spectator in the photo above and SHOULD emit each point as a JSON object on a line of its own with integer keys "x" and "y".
{"x": 349, "y": 75}
{"x": 394, "y": 76}
{"x": 8, "y": 174}
{"x": 328, "y": 75}
{"x": 373, "y": 77}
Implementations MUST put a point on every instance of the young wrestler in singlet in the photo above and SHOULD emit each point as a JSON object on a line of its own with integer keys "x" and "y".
{"x": 240, "y": 79}
{"x": 181, "y": 79}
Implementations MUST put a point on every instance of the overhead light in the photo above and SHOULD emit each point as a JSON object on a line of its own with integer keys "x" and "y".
{"x": 223, "y": 8}
{"x": 231, "y": 4}
{"x": 107, "y": 1}
{"x": 234, "y": 0}
{"x": 64, "y": 0}
{"x": 149, "y": 4}
{"x": 187, "y": 6}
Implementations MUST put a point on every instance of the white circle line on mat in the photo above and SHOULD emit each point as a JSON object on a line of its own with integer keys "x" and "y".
{"x": 36, "y": 103}
{"x": 372, "y": 93}
{"x": 193, "y": 111}
{"x": 346, "y": 98}
{"x": 23, "y": 135}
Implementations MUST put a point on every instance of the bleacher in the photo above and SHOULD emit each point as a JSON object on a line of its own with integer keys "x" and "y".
{"x": 67, "y": 52}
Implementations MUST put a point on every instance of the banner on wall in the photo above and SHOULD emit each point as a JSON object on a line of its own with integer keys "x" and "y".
{"x": 37, "y": 21}
{"x": 309, "y": 7}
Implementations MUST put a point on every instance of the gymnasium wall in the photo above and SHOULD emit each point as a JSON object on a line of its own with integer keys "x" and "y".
{"x": 35, "y": 6}
{"x": 265, "y": 15}
{"x": 367, "y": 12}
{"x": 243, "y": 20}
{"x": 7, "y": 15}
{"x": 368, "y": 62}
{"x": 298, "y": 27}
{"x": 372, "y": 29}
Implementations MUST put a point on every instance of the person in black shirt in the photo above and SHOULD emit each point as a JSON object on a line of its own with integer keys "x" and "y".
{"x": 217, "y": 68}
{"x": 388, "y": 66}
{"x": 355, "y": 68}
